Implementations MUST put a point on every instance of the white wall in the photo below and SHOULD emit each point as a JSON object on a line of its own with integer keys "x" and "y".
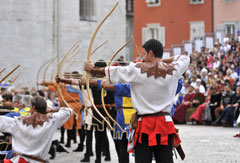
{"x": 27, "y": 33}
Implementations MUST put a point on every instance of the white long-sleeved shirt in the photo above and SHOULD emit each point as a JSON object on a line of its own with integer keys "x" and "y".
{"x": 33, "y": 141}
{"x": 149, "y": 95}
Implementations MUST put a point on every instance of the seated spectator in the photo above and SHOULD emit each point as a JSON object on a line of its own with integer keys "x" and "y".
{"x": 226, "y": 102}
{"x": 228, "y": 114}
{"x": 200, "y": 86}
{"x": 215, "y": 101}
{"x": 228, "y": 77}
{"x": 190, "y": 100}
{"x": 184, "y": 88}
{"x": 198, "y": 99}
{"x": 197, "y": 116}
{"x": 180, "y": 112}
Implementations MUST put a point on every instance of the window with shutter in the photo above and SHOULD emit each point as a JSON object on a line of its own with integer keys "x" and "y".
{"x": 197, "y": 30}
{"x": 153, "y": 31}
{"x": 87, "y": 10}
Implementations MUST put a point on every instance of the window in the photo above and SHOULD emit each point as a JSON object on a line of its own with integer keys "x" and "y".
{"x": 153, "y": 3}
{"x": 87, "y": 10}
{"x": 196, "y": 1}
{"x": 230, "y": 28}
{"x": 153, "y": 31}
{"x": 197, "y": 30}
{"x": 129, "y": 6}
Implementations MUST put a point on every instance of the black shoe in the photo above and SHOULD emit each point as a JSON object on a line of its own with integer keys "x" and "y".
{"x": 91, "y": 154}
{"x": 85, "y": 159}
{"x": 62, "y": 141}
{"x": 79, "y": 148}
{"x": 216, "y": 123}
{"x": 97, "y": 161}
{"x": 68, "y": 145}
{"x": 107, "y": 158}
{"x": 61, "y": 148}
{"x": 52, "y": 151}
{"x": 104, "y": 153}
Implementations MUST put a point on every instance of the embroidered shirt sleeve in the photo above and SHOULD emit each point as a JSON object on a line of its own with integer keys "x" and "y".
{"x": 181, "y": 63}
{"x": 63, "y": 115}
{"x": 7, "y": 124}
{"x": 122, "y": 74}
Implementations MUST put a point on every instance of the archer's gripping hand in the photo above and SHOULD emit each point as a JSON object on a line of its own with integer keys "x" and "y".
{"x": 88, "y": 66}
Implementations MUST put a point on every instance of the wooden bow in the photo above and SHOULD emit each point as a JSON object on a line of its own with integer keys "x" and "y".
{"x": 41, "y": 67}
{"x": 2, "y": 70}
{"x": 102, "y": 91}
{"x": 45, "y": 71}
{"x": 58, "y": 71}
{"x": 13, "y": 80}
{"x": 82, "y": 87}
{"x": 88, "y": 59}
{"x": 5, "y": 77}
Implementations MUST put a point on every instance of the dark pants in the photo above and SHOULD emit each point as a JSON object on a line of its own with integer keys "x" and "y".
{"x": 121, "y": 148}
{"x": 70, "y": 135}
{"x": 89, "y": 134}
{"x": 236, "y": 114}
{"x": 212, "y": 108}
{"x": 62, "y": 133}
{"x": 81, "y": 133}
{"x": 100, "y": 137}
{"x": 162, "y": 153}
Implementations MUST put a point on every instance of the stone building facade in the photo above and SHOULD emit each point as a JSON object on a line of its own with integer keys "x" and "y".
{"x": 34, "y": 31}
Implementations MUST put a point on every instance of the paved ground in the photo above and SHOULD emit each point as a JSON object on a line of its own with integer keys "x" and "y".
{"x": 202, "y": 144}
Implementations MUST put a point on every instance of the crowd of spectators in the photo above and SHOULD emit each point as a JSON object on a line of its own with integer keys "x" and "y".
{"x": 211, "y": 87}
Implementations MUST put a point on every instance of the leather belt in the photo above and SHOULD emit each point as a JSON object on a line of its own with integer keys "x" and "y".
{"x": 107, "y": 105}
{"x": 155, "y": 114}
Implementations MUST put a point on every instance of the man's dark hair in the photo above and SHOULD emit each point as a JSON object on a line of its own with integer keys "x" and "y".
{"x": 155, "y": 46}
{"x": 41, "y": 93}
{"x": 101, "y": 63}
{"x": 40, "y": 104}
{"x": 26, "y": 93}
{"x": 76, "y": 75}
{"x": 8, "y": 97}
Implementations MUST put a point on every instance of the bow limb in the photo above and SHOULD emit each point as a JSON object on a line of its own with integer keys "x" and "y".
{"x": 76, "y": 53}
{"x": 102, "y": 91}
{"x": 58, "y": 70}
{"x": 14, "y": 69}
{"x": 41, "y": 67}
{"x": 88, "y": 59}
{"x": 49, "y": 63}
{"x": 82, "y": 87}
{"x": 13, "y": 80}
{"x": 2, "y": 70}
{"x": 57, "y": 64}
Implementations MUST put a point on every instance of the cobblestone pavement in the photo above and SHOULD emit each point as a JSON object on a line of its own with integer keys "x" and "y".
{"x": 202, "y": 144}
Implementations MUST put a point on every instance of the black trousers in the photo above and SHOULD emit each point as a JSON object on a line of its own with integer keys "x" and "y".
{"x": 121, "y": 148}
{"x": 162, "y": 153}
{"x": 100, "y": 137}
{"x": 82, "y": 134}
{"x": 89, "y": 134}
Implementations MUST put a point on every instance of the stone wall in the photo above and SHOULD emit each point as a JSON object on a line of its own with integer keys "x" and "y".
{"x": 34, "y": 31}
